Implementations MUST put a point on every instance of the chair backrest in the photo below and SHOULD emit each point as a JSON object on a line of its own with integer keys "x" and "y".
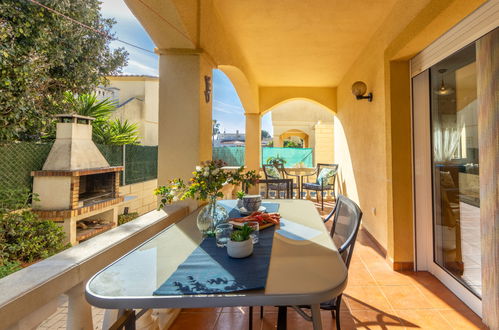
{"x": 346, "y": 223}
{"x": 333, "y": 168}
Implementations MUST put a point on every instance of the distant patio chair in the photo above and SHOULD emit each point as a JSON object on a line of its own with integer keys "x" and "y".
{"x": 276, "y": 172}
{"x": 325, "y": 181}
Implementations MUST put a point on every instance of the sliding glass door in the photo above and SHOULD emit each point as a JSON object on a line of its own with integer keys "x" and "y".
{"x": 455, "y": 168}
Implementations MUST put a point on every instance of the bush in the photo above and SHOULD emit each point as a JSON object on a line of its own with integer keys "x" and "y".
{"x": 15, "y": 199}
{"x": 9, "y": 267}
{"x": 24, "y": 238}
{"x": 124, "y": 218}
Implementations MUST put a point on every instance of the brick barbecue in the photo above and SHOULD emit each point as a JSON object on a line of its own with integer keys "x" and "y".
{"x": 76, "y": 182}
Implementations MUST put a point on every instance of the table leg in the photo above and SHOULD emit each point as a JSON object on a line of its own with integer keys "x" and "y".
{"x": 316, "y": 317}
{"x": 282, "y": 318}
{"x": 250, "y": 318}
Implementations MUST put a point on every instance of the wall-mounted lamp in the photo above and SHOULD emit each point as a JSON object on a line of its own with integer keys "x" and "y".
{"x": 359, "y": 88}
{"x": 207, "y": 88}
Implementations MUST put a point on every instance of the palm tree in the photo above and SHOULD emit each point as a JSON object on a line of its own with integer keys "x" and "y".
{"x": 105, "y": 130}
{"x": 90, "y": 106}
{"x": 215, "y": 130}
{"x": 116, "y": 132}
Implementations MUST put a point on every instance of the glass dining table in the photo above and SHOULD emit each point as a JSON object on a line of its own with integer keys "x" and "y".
{"x": 305, "y": 269}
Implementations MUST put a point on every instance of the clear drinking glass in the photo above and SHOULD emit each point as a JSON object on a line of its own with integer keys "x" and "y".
{"x": 254, "y": 234}
{"x": 222, "y": 234}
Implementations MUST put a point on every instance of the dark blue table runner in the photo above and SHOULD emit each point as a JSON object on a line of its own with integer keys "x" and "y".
{"x": 210, "y": 270}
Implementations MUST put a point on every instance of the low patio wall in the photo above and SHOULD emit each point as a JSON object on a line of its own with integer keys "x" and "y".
{"x": 30, "y": 295}
{"x": 139, "y": 197}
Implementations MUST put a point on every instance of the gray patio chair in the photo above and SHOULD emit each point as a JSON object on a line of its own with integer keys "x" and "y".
{"x": 325, "y": 181}
{"x": 346, "y": 223}
{"x": 276, "y": 172}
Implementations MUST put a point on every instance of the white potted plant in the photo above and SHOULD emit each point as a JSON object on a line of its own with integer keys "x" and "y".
{"x": 240, "y": 244}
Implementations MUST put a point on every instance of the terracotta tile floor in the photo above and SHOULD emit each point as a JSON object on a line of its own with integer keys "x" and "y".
{"x": 376, "y": 298}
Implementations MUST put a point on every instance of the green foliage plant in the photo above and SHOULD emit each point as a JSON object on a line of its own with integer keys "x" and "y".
{"x": 124, "y": 218}
{"x": 105, "y": 130}
{"x": 276, "y": 160}
{"x": 206, "y": 183}
{"x": 242, "y": 234}
{"x": 43, "y": 55}
{"x": 292, "y": 144}
{"x": 9, "y": 267}
{"x": 23, "y": 237}
{"x": 240, "y": 194}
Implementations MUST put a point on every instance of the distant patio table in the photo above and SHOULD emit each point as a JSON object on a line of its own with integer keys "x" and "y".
{"x": 305, "y": 268}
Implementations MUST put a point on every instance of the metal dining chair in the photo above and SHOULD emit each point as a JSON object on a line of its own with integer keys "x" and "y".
{"x": 346, "y": 223}
{"x": 325, "y": 181}
{"x": 275, "y": 172}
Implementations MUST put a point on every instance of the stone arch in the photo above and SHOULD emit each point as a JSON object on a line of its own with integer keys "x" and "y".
{"x": 243, "y": 87}
{"x": 271, "y": 97}
{"x": 295, "y": 132}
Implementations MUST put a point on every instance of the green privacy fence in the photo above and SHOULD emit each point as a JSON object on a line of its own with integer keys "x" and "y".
{"x": 18, "y": 159}
{"x": 232, "y": 156}
{"x": 293, "y": 157}
{"x": 141, "y": 163}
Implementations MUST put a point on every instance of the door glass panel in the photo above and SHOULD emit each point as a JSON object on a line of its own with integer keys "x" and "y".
{"x": 456, "y": 189}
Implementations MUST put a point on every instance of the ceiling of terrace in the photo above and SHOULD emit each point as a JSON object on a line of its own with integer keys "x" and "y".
{"x": 302, "y": 42}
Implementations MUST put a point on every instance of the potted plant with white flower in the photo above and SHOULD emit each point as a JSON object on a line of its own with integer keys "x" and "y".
{"x": 206, "y": 185}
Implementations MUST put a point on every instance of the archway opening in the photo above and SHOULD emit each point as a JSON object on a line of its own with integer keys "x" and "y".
{"x": 302, "y": 134}
{"x": 228, "y": 125}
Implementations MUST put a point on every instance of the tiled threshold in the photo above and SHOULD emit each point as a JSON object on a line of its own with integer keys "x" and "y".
{"x": 376, "y": 298}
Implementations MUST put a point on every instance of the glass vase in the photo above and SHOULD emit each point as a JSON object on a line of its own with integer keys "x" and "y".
{"x": 210, "y": 216}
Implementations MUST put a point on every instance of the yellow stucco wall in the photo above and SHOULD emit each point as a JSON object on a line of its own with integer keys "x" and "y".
{"x": 372, "y": 140}
{"x": 143, "y": 109}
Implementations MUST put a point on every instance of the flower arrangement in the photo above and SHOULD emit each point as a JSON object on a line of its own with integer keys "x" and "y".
{"x": 206, "y": 183}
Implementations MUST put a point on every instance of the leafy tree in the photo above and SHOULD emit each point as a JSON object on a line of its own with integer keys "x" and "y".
{"x": 265, "y": 134}
{"x": 292, "y": 144}
{"x": 42, "y": 55}
{"x": 216, "y": 128}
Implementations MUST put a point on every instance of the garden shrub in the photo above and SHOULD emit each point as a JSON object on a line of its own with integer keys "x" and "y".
{"x": 124, "y": 218}
{"x": 9, "y": 267}
{"x": 24, "y": 238}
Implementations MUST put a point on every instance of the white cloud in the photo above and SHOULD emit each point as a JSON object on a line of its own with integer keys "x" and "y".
{"x": 135, "y": 67}
{"x": 220, "y": 104}
{"x": 223, "y": 110}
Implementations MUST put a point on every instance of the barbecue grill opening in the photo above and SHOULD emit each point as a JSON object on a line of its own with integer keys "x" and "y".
{"x": 96, "y": 188}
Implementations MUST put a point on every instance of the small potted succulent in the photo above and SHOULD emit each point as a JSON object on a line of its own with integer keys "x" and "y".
{"x": 240, "y": 195}
{"x": 240, "y": 244}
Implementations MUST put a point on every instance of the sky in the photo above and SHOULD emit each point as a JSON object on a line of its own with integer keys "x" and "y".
{"x": 227, "y": 108}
